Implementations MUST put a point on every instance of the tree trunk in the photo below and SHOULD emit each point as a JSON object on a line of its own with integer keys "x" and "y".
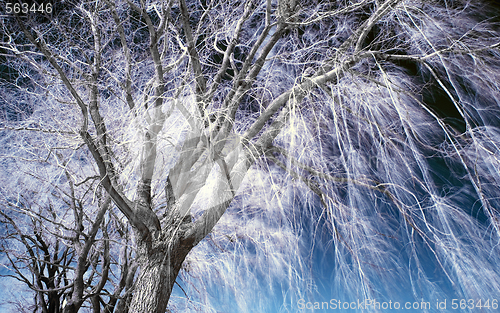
{"x": 160, "y": 261}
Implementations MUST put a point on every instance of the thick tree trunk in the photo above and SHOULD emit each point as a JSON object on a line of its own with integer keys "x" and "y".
{"x": 160, "y": 261}
{"x": 153, "y": 287}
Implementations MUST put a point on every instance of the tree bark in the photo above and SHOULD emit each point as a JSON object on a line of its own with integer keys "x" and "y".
{"x": 160, "y": 261}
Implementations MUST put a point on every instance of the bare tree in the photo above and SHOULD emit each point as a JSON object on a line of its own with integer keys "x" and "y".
{"x": 176, "y": 102}
{"x": 58, "y": 237}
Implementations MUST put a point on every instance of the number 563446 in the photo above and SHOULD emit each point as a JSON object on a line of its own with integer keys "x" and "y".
{"x": 25, "y": 8}
{"x": 463, "y": 304}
